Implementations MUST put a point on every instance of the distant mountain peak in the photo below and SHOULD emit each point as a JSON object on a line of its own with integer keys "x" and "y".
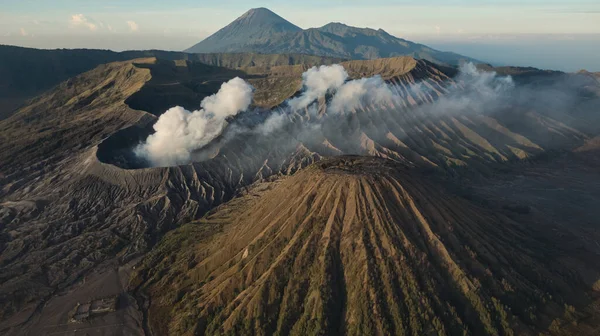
{"x": 257, "y": 24}
{"x": 341, "y": 29}
{"x": 340, "y": 26}
{"x": 265, "y": 16}
{"x": 335, "y": 24}
{"x": 383, "y": 32}
{"x": 259, "y": 10}
{"x": 260, "y": 30}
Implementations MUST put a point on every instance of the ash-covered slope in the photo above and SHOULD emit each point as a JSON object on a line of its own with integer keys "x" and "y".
{"x": 262, "y": 31}
{"x": 68, "y": 221}
{"x": 434, "y": 120}
{"x": 27, "y": 72}
{"x": 71, "y": 212}
{"x": 358, "y": 245}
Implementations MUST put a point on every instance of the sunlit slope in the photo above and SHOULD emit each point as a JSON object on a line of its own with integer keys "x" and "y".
{"x": 27, "y": 72}
{"x": 69, "y": 200}
{"x": 356, "y": 246}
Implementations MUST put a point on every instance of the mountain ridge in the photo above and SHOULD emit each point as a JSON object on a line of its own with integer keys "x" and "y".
{"x": 28, "y": 72}
{"x": 65, "y": 211}
{"x": 256, "y": 24}
{"x": 334, "y": 39}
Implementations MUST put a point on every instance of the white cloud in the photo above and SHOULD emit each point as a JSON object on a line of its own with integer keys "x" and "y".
{"x": 133, "y": 26}
{"x": 23, "y": 32}
{"x": 79, "y": 20}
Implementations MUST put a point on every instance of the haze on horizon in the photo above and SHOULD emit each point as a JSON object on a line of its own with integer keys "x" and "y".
{"x": 555, "y": 34}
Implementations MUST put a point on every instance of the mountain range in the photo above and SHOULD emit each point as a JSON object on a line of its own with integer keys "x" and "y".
{"x": 443, "y": 224}
{"x": 465, "y": 204}
{"x": 27, "y": 72}
{"x": 262, "y": 31}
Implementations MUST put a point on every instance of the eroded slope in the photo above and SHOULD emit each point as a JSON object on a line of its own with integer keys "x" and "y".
{"x": 66, "y": 218}
{"x": 356, "y": 246}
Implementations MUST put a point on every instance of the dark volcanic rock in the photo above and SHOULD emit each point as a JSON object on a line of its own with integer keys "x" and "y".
{"x": 75, "y": 218}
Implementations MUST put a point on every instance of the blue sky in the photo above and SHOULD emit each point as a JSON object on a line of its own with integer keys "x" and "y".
{"x": 177, "y": 24}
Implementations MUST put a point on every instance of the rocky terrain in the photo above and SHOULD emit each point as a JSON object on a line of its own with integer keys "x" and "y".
{"x": 78, "y": 213}
{"x": 26, "y": 72}
{"x": 362, "y": 245}
{"x": 66, "y": 216}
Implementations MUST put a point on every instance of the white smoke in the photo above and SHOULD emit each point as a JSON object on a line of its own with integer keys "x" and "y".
{"x": 474, "y": 90}
{"x": 179, "y": 132}
{"x": 361, "y": 92}
{"x": 471, "y": 90}
{"x": 271, "y": 124}
{"x": 331, "y": 79}
{"x": 317, "y": 82}
{"x": 487, "y": 84}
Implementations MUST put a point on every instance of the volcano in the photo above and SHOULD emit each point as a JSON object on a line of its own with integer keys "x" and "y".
{"x": 258, "y": 24}
{"x": 262, "y": 31}
{"x": 467, "y": 222}
{"x": 353, "y": 246}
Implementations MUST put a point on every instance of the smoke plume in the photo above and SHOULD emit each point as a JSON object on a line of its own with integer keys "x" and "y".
{"x": 179, "y": 132}
{"x": 317, "y": 82}
{"x": 361, "y": 92}
{"x": 473, "y": 91}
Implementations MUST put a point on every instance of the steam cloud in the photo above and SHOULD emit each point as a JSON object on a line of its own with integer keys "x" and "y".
{"x": 361, "y": 92}
{"x": 179, "y": 132}
{"x": 318, "y": 82}
{"x": 473, "y": 91}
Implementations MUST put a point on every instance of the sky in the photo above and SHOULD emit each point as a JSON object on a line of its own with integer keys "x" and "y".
{"x": 556, "y": 34}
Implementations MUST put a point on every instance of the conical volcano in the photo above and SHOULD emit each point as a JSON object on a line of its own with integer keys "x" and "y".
{"x": 257, "y": 24}
{"x": 356, "y": 246}
{"x": 261, "y": 31}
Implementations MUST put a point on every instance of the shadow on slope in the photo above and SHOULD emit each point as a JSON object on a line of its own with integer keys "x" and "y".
{"x": 356, "y": 245}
